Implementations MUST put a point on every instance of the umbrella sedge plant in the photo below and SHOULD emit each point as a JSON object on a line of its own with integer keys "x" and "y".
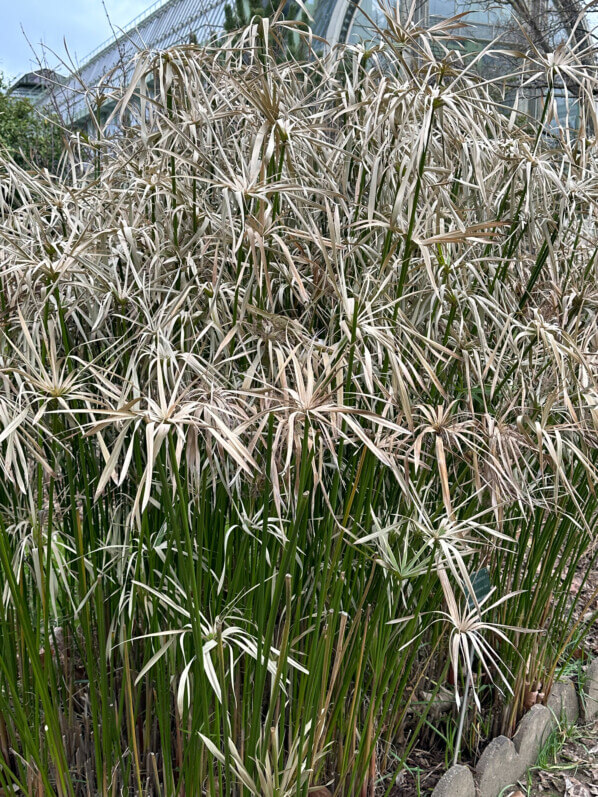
{"x": 289, "y": 366}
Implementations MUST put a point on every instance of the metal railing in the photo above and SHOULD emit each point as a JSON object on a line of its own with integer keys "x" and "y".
{"x": 119, "y": 31}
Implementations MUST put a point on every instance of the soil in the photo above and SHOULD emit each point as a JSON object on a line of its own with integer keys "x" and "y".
{"x": 426, "y": 767}
{"x": 589, "y": 599}
{"x": 573, "y": 772}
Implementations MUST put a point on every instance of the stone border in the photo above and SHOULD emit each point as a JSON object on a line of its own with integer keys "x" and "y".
{"x": 505, "y": 761}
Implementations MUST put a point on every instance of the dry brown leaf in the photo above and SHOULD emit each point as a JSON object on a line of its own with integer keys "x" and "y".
{"x": 575, "y": 788}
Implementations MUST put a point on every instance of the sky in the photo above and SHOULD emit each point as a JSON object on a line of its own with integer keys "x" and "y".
{"x": 83, "y": 23}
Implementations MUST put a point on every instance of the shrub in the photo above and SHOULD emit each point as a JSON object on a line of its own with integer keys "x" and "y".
{"x": 24, "y": 134}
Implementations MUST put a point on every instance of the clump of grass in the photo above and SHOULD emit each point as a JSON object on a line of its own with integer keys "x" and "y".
{"x": 285, "y": 367}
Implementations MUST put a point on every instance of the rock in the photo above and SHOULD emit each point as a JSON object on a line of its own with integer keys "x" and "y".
{"x": 590, "y": 692}
{"x": 457, "y": 782}
{"x": 440, "y": 704}
{"x": 563, "y": 701}
{"x": 499, "y": 766}
{"x": 531, "y": 734}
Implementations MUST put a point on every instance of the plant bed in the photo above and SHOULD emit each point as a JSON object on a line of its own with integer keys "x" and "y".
{"x": 299, "y": 416}
{"x": 542, "y": 734}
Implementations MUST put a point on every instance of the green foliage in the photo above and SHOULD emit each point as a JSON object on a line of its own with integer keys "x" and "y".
{"x": 25, "y": 134}
{"x": 242, "y": 12}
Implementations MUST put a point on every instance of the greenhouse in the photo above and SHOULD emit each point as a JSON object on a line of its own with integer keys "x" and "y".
{"x": 172, "y": 22}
